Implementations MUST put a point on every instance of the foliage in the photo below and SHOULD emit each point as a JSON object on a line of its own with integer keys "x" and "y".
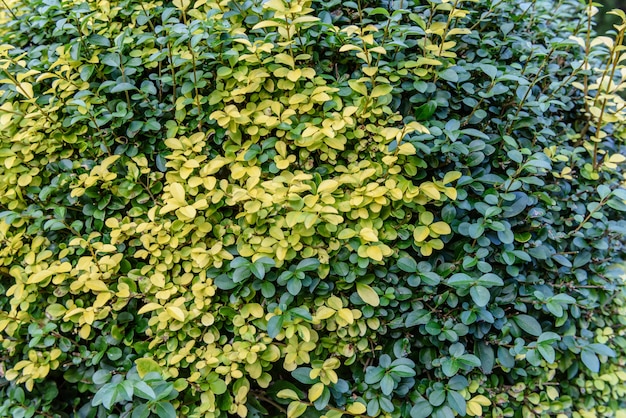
{"x": 311, "y": 208}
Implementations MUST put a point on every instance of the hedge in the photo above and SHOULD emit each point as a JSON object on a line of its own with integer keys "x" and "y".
{"x": 311, "y": 208}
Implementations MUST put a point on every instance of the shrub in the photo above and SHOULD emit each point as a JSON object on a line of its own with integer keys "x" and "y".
{"x": 319, "y": 209}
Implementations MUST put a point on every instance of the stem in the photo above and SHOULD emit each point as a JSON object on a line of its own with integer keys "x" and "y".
{"x": 8, "y": 9}
{"x": 589, "y": 215}
{"x": 597, "y": 141}
{"x": 34, "y": 101}
{"x": 171, "y": 58}
{"x": 530, "y": 87}
{"x": 445, "y": 30}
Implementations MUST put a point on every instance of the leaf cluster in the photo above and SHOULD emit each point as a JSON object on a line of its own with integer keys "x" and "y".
{"x": 311, "y": 208}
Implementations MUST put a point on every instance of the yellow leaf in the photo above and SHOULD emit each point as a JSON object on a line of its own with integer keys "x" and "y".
{"x": 473, "y": 409}
{"x": 358, "y": 87}
{"x": 295, "y": 409}
{"x": 294, "y": 75}
{"x": 96, "y": 285}
{"x": 25, "y": 89}
{"x": 297, "y": 99}
{"x": 324, "y": 312}
{"x": 346, "y": 315}
{"x": 149, "y": 307}
{"x": 267, "y": 24}
{"x": 407, "y": 149}
{"x": 283, "y": 58}
{"x": 178, "y": 193}
{"x": 181, "y": 4}
{"x": 368, "y": 294}
{"x": 374, "y": 253}
{"x": 288, "y": 394}
{"x": 430, "y": 190}
{"x": 327, "y": 186}
{"x": 440, "y": 228}
{"x": 176, "y": 313}
{"x": 371, "y": 71}
{"x": 346, "y": 233}
{"x": 552, "y": 393}
{"x": 381, "y": 90}
{"x": 277, "y": 5}
{"x": 481, "y": 400}
{"x": 39, "y": 277}
{"x": 420, "y": 233}
{"x": 188, "y": 211}
{"x": 451, "y": 176}
{"x": 357, "y": 408}
{"x": 316, "y": 391}
{"x": 368, "y": 234}
{"x": 84, "y": 332}
{"x": 350, "y": 47}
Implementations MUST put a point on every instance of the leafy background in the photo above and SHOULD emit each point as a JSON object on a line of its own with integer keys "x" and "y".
{"x": 316, "y": 209}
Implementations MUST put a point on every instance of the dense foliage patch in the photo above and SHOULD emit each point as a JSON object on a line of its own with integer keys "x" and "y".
{"x": 311, "y": 208}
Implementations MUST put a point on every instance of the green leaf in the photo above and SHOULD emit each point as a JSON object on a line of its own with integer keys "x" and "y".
{"x": 449, "y": 75}
{"x": 547, "y": 352}
{"x": 164, "y": 410}
{"x": 374, "y": 374}
{"x": 402, "y": 371}
{"x": 437, "y": 397}
{"x": 275, "y": 325}
{"x": 143, "y": 390}
{"x": 387, "y": 384}
{"x": 486, "y": 355}
{"x": 418, "y": 317}
{"x": 460, "y": 280}
{"x": 308, "y": 264}
{"x": 480, "y": 295}
{"x": 602, "y": 349}
{"x": 258, "y": 269}
{"x": 122, "y": 87}
{"x": 141, "y": 411}
{"x": 590, "y": 360}
{"x": 421, "y": 409}
{"x": 490, "y": 280}
{"x": 407, "y": 264}
{"x": 425, "y": 111}
{"x": 106, "y": 396}
{"x": 528, "y": 324}
{"x": 457, "y": 402}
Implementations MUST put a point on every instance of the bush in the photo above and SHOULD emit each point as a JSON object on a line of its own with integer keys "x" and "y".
{"x": 318, "y": 209}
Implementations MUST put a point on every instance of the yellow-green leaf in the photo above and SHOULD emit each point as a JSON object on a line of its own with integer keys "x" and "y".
{"x": 440, "y": 228}
{"x": 295, "y": 409}
{"x": 368, "y": 234}
{"x": 288, "y": 394}
{"x": 149, "y": 307}
{"x": 316, "y": 391}
{"x": 451, "y": 176}
{"x": 357, "y": 408}
{"x": 381, "y": 90}
{"x": 178, "y": 193}
{"x": 375, "y": 253}
{"x": 368, "y": 294}
{"x": 146, "y": 365}
{"x": 358, "y": 87}
{"x": 176, "y": 313}
{"x": 421, "y": 233}
{"x": 39, "y": 277}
